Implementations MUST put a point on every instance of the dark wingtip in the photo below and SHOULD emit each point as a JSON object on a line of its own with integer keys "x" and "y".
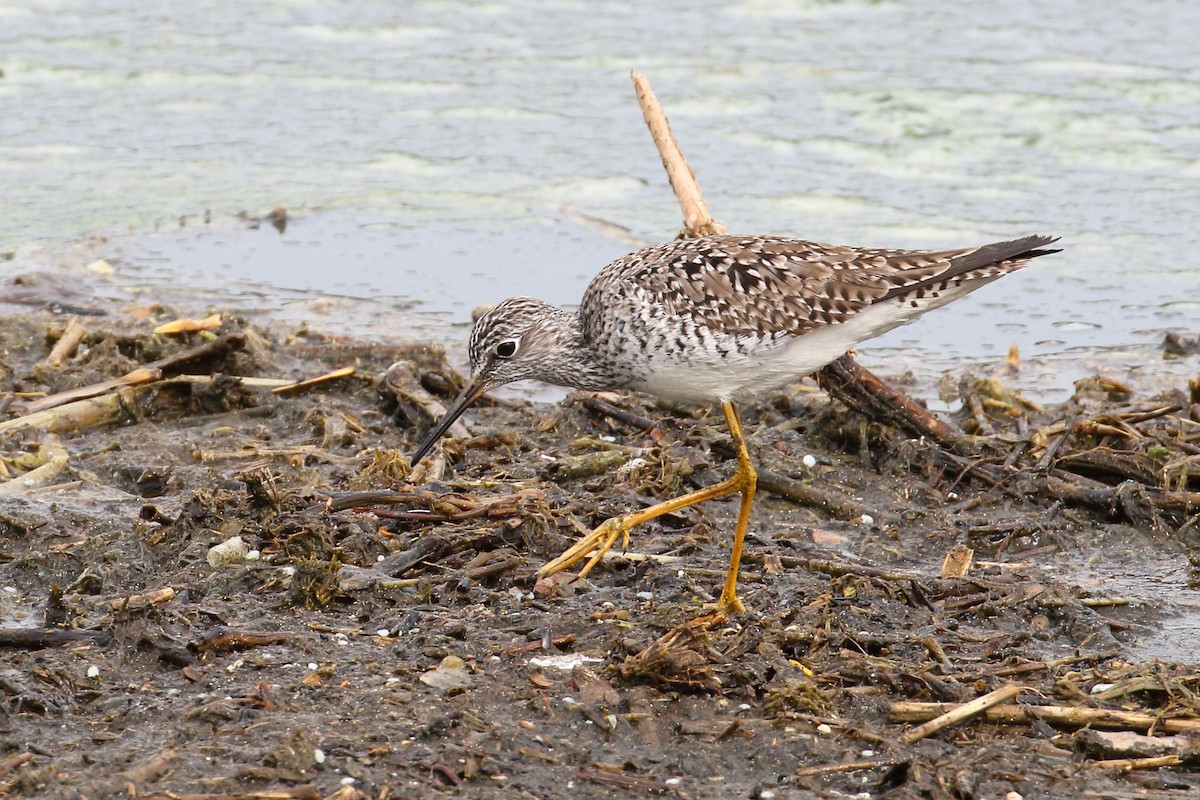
{"x": 1037, "y": 246}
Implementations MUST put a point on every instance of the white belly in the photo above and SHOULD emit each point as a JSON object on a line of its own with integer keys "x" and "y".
{"x": 704, "y": 375}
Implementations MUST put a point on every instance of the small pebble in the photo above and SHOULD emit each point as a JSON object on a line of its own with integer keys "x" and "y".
{"x": 744, "y": 707}
{"x": 1100, "y": 688}
{"x": 766, "y": 794}
{"x": 673, "y": 781}
{"x": 645, "y": 595}
{"x": 378, "y": 559}
{"x": 1013, "y": 796}
{"x": 253, "y": 555}
{"x": 382, "y": 632}
{"x": 866, "y": 519}
{"x": 868, "y": 753}
{"x": 347, "y": 781}
{"x": 312, "y": 666}
{"x": 93, "y": 671}
{"x": 341, "y": 639}
{"x": 319, "y": 755}
{"x": 809, "y": 461}
{"x": 227, "y": 552}
{"x": 824, "y": 729}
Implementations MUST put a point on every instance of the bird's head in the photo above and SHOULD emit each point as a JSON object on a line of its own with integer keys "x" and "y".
{"x": 519, "y": 339}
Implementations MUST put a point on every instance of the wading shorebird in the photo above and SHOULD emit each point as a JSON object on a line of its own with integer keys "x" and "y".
{"x": 717, "y": 319}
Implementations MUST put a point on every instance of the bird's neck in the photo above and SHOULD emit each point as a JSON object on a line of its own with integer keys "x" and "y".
{"x": 577, "y": 364}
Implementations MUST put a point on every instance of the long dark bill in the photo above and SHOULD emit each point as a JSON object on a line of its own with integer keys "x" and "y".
{"x": 469, "y": 394}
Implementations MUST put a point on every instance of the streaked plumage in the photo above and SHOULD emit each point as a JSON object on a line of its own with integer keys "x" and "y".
{"x": 719, "y": 318}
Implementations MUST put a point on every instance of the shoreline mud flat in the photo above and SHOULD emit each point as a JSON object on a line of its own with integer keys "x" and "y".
{"x": 890, "y": 580}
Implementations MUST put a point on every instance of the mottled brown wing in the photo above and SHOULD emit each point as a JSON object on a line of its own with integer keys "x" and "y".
{"x": 761, "y": 286}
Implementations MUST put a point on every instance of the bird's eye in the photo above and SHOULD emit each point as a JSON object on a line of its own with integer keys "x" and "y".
{"x": 507, "y": 348}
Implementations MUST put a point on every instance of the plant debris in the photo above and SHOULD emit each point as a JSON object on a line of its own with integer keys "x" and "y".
{"x": 892, "y": 580}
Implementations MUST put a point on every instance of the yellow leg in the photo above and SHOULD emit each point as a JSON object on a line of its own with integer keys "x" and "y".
{"x": 743, "y": 480}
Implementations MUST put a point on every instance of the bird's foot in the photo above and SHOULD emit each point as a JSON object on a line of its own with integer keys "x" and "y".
{"x": 596, "y": 543}
{"x": 731, "y": 604}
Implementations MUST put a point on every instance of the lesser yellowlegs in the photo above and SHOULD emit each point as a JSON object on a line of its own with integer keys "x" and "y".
{"x": 717, "y": 319}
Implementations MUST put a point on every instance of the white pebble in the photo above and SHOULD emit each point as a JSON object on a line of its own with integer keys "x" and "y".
{"x": 810, "y": 461}
{"x": 379, "y": 559}
{"x": 569, "y": 700}
{"x": 382, "y": 632}
{"x": 253, "y": 555}
{"x": 1013, "y": 796}
{"x": 866, "y": 519}
{"x": 673, "y": 781}
{"x": 319, "y": 755}
{"x": 93, "y": 671}
{"x": 227, "y": 552}
{"x": 766, "y": 794}
{"x": 341, "y": 638}
{"x": 744, "y": 707}
{"x": 312, "y": 665}
{"x": 645, "y": 595}
{"x": 868, "y": 753}
{"x": 630, "y": 466}
{"x": 1100, "y": 688}
{"x": 824, "y": 729}
{"x": 347, "y": 781}
{"x": 954, "y": 496}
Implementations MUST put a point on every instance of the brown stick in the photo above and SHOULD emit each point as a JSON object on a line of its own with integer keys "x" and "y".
{"x": 64, "y": 348}
{"x": 847, "y": 766}
{"x": 859, "y": 388}
{"x": 963, "y": 712}
{"x": 344, "y": 372}
{"x": 54, "y": 460}
{"x": 832, "y": 503}
{"x": 696, "y": 219}
{"x": 1129, "y": 764}
{"x": 1059, "y": 716}
{"x": 14, "y": 761}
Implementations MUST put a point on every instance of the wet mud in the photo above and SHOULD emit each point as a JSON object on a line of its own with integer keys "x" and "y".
{"x": 228, "y": 588}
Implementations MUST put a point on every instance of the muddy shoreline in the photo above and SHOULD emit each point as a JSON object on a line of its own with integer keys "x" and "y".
{"x": 396, "y": 643}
